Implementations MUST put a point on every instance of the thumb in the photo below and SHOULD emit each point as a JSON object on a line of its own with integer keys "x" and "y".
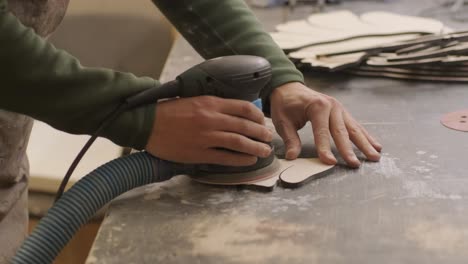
{"x": 291, "y": 139}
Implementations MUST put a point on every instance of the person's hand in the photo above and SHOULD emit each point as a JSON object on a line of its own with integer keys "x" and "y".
{"x": 293, "y": 104}
{"x": 209, "y": 130}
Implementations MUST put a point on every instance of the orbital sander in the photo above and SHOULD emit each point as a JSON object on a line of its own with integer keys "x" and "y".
{"x": 239, "y": 77}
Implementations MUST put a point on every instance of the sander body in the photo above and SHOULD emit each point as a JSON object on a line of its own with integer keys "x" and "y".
{"x": 240, "y": 77}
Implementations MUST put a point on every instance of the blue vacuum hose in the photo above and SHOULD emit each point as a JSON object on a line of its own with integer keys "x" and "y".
{"x": 83, "y": 200}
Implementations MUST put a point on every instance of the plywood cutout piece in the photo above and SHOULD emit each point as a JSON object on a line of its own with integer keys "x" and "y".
{"x": 343, "y": 19}
{"x": 303, "y": 170}
{"x": 405, "y": 76}
{"x": 336, "y": 63}
{"x": 244, "y": 178}
{"x": 349, "y": 45}
{"x": 289, "y": 174}
{"x": 265, "y": 185}
{"x": 343, "y": 25}
{"x": 377, "y": 44}
{"x": 395, "y": 22}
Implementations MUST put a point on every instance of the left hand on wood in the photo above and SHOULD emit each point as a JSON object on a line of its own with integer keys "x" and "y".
{"x": 293, "y": 105}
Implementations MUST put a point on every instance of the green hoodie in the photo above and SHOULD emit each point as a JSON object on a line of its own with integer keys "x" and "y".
{"x": 50, "y": 85}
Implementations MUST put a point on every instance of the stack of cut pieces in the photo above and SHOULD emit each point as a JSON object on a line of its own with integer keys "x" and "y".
{"x": 377, "y": 44}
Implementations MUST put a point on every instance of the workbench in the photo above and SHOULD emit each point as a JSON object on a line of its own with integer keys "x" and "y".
{"x": 411, "y": 207}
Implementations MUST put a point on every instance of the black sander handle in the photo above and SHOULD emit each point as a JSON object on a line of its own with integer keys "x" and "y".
{"x": 235, "y": 77}
{"x": 239, "y": 77}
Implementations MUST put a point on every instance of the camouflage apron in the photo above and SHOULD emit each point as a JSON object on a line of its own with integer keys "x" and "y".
{"x": 43, "y": 16}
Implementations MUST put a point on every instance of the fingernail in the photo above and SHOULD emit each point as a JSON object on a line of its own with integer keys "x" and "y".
{"x": 289, "y": 154}
{"x": 266, "y": 151}
{"x": 330, "y": 157}
{"x": 355, "y": 162}
{"x": 379, "y": 147}
{"x": 270, "y": 136}
{"x": 376, "y": 157}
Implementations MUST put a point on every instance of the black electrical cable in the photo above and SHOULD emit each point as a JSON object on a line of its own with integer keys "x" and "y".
{"x": 109, "y": 119}
{"x": 167, "y": 90}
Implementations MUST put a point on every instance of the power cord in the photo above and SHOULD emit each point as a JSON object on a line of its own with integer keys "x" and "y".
{"x": 167, "y": 90}
{"x": 108, "y": 120}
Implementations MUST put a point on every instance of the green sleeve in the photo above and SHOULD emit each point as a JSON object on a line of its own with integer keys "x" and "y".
{"x": 50, "y": 85}
{"x": 228, "y": 27}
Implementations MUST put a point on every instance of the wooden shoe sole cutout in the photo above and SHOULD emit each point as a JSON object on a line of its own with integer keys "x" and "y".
{"x": 377, "y": 44}
{"x": 288, "y": 174}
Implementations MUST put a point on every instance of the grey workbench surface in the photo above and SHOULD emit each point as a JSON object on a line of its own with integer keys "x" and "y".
{"x": 411, "y": 207}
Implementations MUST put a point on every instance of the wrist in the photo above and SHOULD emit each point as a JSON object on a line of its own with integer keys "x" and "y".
{"x": 284, "y": 89}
